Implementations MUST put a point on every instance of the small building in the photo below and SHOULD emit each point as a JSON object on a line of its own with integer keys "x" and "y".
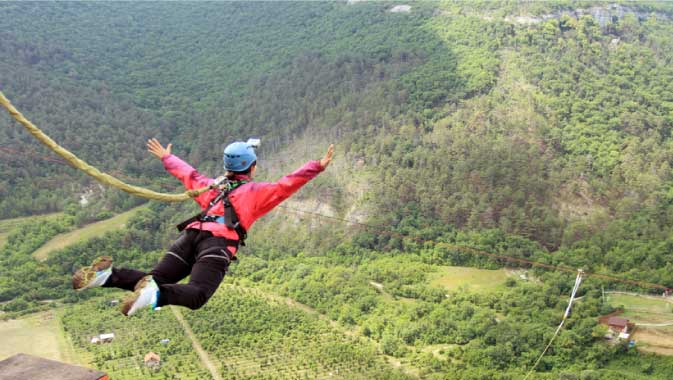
{"x": 401, "y": 9}
{"x": 28, "y": 367}
{"x": 164, "y": 341}
{"x": 152, "y": 360}
{"x": 113, "y": 302}
{"x": 103, "y": 338}
{"x": 618, "y": 325}
{"x": 107, "y": 338}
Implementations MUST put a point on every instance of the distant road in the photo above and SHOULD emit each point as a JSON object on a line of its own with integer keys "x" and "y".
{"x": 89, "y": 231}
{"x": 203, "y": 355}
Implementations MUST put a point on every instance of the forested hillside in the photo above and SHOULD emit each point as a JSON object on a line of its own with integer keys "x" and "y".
{"x": 534, "y": 130}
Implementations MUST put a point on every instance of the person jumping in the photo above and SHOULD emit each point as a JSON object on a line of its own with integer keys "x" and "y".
{"x": 209, "y": 241}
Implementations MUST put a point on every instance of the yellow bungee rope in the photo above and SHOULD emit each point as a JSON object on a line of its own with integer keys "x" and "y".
{"x": 90, "y": 170}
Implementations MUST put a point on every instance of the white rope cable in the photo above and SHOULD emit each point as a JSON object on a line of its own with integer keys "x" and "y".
{"x": 578, "y": 281}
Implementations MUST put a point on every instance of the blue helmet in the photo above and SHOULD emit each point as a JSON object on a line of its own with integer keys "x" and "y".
{"x": 239, "y": 156}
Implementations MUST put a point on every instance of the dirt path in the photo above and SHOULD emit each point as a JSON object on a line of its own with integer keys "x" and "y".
{"x": 665, "y": 324}
{"x": 203, "y": 355}
{"x": 652, "y": 297}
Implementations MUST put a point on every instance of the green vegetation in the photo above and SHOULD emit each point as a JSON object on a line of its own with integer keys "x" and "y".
{"x": 632, "y": 367}
{"x": 123, "y": 357}
{"x": 482, "y": 125}
{"x": 269, "y": 339}
{"x": 8, "y": 226}
{"x": 452, "y": 278}
{"x": 85, "y": 233}
{"x": 3, "y": 239}
{"x": 254, "y": 339}
{"x": 27, "y": 283}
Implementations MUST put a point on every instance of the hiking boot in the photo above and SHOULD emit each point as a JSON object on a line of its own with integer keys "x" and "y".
{"x": 94, "y": 275}
{"x": 146, "y": 294}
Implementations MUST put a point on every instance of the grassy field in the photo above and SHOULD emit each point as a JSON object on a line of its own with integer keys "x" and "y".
{"x": 7, "y": 226}
{"x": 37, "y": 334}
{"x": 87, "y": 232}
{"x": 452, "y": 278}
{"x": 642, "y": 309}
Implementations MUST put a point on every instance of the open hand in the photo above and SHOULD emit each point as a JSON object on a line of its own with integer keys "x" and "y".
{"x": 324, "y": 162}
{"x": 157, "y": 149}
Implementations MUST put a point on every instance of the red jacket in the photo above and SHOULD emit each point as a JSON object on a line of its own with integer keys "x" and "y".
{"x": 251, "y": 200}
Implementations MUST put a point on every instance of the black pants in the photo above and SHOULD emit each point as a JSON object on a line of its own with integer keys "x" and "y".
{"x": 197, "y": 253}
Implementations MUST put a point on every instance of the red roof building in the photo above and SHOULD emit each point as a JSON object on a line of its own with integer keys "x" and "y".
{"x": 152, "y": 360}
{"x": 618, "y": 324}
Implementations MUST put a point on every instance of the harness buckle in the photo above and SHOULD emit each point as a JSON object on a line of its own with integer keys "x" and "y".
{"x": 213, "y": 218}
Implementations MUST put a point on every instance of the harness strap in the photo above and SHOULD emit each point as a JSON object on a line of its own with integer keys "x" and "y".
{"x": 230, "y": 218}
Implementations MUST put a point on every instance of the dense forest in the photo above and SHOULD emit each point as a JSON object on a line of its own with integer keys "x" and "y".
{"x": 532, "y": 130}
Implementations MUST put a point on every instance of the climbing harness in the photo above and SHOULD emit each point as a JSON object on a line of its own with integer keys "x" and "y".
{"x": 230, "y": 218}
{"x": 90, "y": 170}
{"x": 578, "y": 281}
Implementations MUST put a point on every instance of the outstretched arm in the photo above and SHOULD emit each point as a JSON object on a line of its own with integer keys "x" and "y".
{"x": 181, "y": 170}
{"x": 269, "y": 195}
